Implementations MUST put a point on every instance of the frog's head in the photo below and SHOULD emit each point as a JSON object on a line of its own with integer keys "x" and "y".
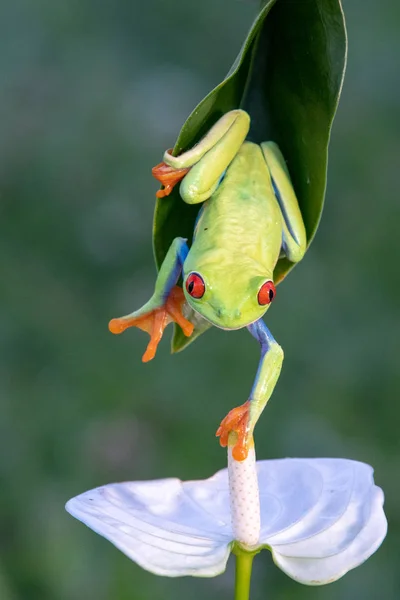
{"x": 226, "y": 300}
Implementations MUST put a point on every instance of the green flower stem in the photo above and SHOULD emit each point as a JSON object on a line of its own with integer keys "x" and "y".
{"x": 244, "y": 563}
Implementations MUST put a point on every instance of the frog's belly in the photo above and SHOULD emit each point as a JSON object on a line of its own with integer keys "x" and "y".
{"x": 242, "y": 218}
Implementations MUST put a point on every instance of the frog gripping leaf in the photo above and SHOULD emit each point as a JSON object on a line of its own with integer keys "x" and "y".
{"x": 230, "y": 221}
{"x": 249, "y": 218}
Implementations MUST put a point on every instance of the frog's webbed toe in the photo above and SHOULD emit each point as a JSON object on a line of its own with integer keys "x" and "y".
{"x": 168, "y": 177}
{"x": 237, "y": 422}
{"x": 155, "y": 320}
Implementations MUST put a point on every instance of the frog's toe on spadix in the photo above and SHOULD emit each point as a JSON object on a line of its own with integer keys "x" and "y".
{"x": 236, "y": 421}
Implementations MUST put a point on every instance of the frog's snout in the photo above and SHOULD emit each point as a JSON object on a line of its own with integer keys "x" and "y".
{"x": 226, "y": 317}
{"x": 222, "y": 313}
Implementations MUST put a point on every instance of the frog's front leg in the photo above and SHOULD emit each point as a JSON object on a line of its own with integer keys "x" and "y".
{"x": 201, "y": 167}
{"x": 238, "y": 426}
{"x": 164, "y": 306}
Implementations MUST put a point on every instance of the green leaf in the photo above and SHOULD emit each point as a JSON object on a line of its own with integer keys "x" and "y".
{"x": 288, "y": 77}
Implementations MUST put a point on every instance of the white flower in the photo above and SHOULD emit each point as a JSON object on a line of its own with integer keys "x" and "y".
{"x": 319, "y": 518}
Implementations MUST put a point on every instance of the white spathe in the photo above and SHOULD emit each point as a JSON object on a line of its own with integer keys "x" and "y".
{"x": 320, "y": 517}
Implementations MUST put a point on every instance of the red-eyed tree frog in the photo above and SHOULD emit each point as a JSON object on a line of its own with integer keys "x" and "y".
{"x": 249, "y": 218}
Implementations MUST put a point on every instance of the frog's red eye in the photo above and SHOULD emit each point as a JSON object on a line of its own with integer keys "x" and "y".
{"x": 267, "y": 293}
{"x": 195, "y": 285}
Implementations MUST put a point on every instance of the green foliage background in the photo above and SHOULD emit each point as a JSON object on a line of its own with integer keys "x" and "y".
{"x": 91, "y": 94}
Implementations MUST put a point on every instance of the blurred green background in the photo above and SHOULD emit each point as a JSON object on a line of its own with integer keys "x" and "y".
{"x": 92, "y": 92}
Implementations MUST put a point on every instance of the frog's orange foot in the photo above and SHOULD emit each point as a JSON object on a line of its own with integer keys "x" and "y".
{"x": 156, "y": 320}
{"x": 237, "y": 421}
{"x": 168, "y": 177}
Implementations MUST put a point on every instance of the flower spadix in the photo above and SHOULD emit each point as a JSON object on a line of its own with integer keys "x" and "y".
{"x": 319, "y": 517}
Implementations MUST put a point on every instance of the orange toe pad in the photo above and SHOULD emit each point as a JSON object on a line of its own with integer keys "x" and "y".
{"x": 155, "y": 321}
{"x": 236, "y": 421}
{"x": 168, "y": 177}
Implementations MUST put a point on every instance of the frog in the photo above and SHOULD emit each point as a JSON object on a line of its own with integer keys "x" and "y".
{"x": 249, "y": 218}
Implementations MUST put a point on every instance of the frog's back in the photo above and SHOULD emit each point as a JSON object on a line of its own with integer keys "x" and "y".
{"x": 242, "y": 220}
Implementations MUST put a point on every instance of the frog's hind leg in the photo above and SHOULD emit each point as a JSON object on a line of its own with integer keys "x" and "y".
{"x": 237, "y": 427}
{"x": 294, "y": 234}
{"x": 201, "y": 167}
{"x": 164, "y": 306}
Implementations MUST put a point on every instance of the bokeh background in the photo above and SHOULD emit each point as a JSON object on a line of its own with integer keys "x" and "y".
{"x": 92, "y": 92}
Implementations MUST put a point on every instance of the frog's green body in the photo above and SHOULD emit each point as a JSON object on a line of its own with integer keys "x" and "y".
{"x": 243, "y": 212}
{"x": 249, "y": 219}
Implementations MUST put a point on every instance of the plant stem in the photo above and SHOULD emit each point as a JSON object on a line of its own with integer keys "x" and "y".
{"x": 244, "y": 563}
